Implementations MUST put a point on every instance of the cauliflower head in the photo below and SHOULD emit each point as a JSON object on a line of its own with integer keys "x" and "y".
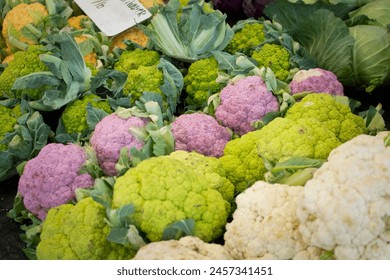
{"x": 213, "y": 171}
{"x": 186, "y": 248}
{"x": 74, "y": 116}
{"x": 283, "y": 138}
{"x": 201, "y": 82}
{"x": 9, "y": 118}
{"x": 22, "y": 64}
{"x": 163, "y": 191}
{"x": 275, "y": 57}
{"x": 316, "y": 80}
{"x": 334, "y": 115}
{"x": 200, "y": 133}
{"x": 133, "y": 34}
{"x": 21, "y": 21}
{"x": 265, "y": 225}
{"x": 345, "y": 207}
{"x": 241, "y": 161}
{"x": 132, "y": 59}
{"x": 78, "y": 232}
{"x": 244, "y": 102}
{"x": 51, "y": 178}
{"x": 143, "y": 79}
{"x": 112, "y": 134}
{"x": 246, "y": 39}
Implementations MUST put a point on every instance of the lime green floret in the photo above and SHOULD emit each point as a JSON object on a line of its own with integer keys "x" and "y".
{"x": 246, "y": 39}
{"x": 143, "y": 79}
{"x": 9, "y": 118}
{"x": 74, "y": 116}
{"x": 78, "y": 232}
{"x": 200, "y": 82}
{"x": 132, "y": 59}
{"x": 24, "y": 63}
{"x": 334, "y": 115}
{"x": 275, "y": 57}
{"x": 164, "y": 191}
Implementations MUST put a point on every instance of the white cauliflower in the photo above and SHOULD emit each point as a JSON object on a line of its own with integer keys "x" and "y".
{"x": 186, "y": 248}
{"x": 345, "y": 207}
{"x": 265, "y": 226}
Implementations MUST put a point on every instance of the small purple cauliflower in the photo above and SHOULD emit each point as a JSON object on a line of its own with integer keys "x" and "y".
{"x": 200, "y": 133}
{"x": 112, "y": 134}
{"x": 244, "y": 102}
{"x": 51, "y": 178}
{"x": 316, "y": 80}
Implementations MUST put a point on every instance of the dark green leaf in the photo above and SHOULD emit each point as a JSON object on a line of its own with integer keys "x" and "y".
{"x": 178, "y": 229}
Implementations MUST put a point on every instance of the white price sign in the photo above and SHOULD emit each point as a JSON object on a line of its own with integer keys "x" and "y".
{"x": 114, "y": 16}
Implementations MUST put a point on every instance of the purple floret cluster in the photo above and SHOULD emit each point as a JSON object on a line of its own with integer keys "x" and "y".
{"x": 112, "y": 134}
{"x": 316, "y": 80}
{"x": 244, "y": 102}
{"x": 200, "y": 133}
{"x": 51, "y": 178}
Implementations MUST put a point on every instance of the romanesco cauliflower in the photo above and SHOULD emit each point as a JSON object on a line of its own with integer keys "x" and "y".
{"x": 200, "y": 82}
{"x": 163, "y": 191}
{"x": 74, "y": 117}
{"x": 78, "y": 232}
{"x": 8, "y": 117}
{"x": 23, "y": 63}
{"x": 275, "y": 57}
{"x": 132, "y": 59}
{"x": 246, "y": 39}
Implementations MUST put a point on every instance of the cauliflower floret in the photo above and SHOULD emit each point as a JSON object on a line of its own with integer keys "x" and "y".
{"x": 316, "y": 80}
{"x": 132, "y": 59}
{"x": 186, "y": 248}
{"x": 345, "y": 207}
{"x": 112, "y": 134}
{"x": 275, "y": 57}
{"x": 164, "y": 191}
{"x": 200, "y": 133}
{"x": 9, "y": 117}
{"x": 200, "y": 82}
{"x": 244, "y": 102}
{"x": 265, "y": 226}
{"x": 78, "y": 232}
{"x": 51, "y": 178}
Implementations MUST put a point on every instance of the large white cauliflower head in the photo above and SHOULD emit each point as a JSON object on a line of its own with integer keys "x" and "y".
{"x": 265, "y": 226}
{"x": 345, "y": 208}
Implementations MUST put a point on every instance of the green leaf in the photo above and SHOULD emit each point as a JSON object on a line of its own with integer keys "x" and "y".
{"x": 94, "y": 116}
{"x": 178, "y": 229}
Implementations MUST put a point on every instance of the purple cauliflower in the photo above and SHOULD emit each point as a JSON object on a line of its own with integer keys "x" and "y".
{"x": 316, "y": 80}
{"x": 200, "y": 133}
{"x": 112, "y": 134}
{"x": 51, "y": 178}
{"x": 244, "y": 102}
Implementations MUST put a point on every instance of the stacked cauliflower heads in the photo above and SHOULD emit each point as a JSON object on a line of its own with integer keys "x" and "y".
{"x": 151, "y": 155}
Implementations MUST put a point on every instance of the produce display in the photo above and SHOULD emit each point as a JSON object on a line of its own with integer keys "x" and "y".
{"x": 228, "y": 130}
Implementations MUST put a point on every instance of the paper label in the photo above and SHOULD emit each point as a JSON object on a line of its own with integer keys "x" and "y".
{"x": 114, "y": 16}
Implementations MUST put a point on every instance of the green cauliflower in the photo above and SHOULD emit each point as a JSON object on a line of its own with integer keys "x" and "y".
{"x": 242, "y": 163}
{"x": 23, "y": 63}
{"x": 213, "y": 171}
{"x": 78, "y": 232}
{"x": 132, "y": 59}
{"x": 165, "y": 191}
{"x": 143, "y": 79}
{"x": 336, "y": 116}
{"x": 74, "y": 116}
{"x": 275, "y": 57}
{"x": 200, "y": 82}
{"x": 306, "y": 137}
{"x": 9, "y": 118}
{"x": 245, "y": 39}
